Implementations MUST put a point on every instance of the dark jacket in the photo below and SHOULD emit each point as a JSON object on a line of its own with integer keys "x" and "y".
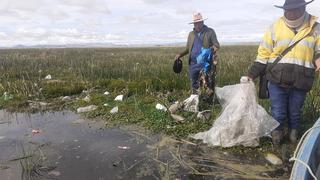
{"x": 209, "y": 40}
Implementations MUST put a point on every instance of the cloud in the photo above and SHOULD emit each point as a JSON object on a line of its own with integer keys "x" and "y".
{"x": 129, "y": 22}
{"x": 3, "y": 35}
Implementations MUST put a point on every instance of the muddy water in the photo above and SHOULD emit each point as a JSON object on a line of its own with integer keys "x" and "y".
{"x": 62, "y": 145}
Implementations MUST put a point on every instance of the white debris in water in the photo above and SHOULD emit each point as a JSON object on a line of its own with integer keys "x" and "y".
{"x": 87, "y": 109}
{"x": 87, "y": 98}
{"x": 114, "y": 110}
{"x": 54, "y": 173}
{"x": 48, "y": 77}
{"x": 273, "y": 159}
{"x": 119, "y": 98}
{"x": 161, "y": 107}
{"x": 2, "y": 137}
{"x": 106, "y": 93}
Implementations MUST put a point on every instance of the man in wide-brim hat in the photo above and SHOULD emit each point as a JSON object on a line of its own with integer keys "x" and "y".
{"x": 292, "y": 77}
{"x": 201, "y": 37}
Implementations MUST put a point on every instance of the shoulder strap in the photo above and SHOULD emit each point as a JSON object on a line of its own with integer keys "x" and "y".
{"x": 287, "y": 50}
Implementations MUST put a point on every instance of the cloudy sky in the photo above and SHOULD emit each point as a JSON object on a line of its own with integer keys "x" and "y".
{"x": 59, "y": 22}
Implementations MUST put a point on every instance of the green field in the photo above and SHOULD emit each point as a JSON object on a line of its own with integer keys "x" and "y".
{"x": 144, "y": 75}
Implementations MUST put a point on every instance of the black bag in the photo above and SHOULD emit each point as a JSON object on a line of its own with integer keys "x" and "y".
{"x": 263, "y": 87}
{"x": 177, "y": 66}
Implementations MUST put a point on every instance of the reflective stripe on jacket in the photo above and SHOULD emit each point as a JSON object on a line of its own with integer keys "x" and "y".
{"x": 296, "y": 68}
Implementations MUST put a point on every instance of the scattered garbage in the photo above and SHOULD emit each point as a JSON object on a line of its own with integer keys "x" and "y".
{"x": 7, "y": 96}
{"x": 191, "y": 104}
{"x": 87, "y": 98}
{"x": 175, "y": 107}
{"x": 87, "y": 109}
{"x": 242, "y": 121}
{"x": 48, "y": 77}
{"x": 54, "y": 173}
{"x": 106, "y": 93}
{"x": 124, "y": 147}
{"x": 66, "y": 98}
{"x": 85, "y": 91}
{"x": 36, "y": 104}
{"x": 273, "y": 159}
{"x": 161, "y": 107}
{"x": 177, "y": 118}
{"x": 204, "y": 115}
{"x": 114, "y": 110}
{"x": 36, "y": 131}
{"x": 43, "y": 104}
{"x": 116, "y": 163}
{"x": 170, "y": 127}
{"x": 119, "y": 98}
{"x": 106, "y": 105}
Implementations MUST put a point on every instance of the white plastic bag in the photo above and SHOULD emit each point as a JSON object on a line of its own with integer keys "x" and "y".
{"x": 191, "y": 104}
{"x": 242, "y": 121}
{"x": 114, "y": 110}
{"x": 161, "y": 107}
{"x": 48, "y": 77}
{"x": 86, "y": 109}
{"x": 119, "y": 98}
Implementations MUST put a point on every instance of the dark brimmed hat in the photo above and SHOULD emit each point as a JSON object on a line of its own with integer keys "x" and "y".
{"x": 293, "y": 4}
{"x": 177, "y": 66}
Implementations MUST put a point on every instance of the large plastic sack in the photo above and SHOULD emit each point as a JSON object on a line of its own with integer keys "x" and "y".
{"x": 242, "y": 121}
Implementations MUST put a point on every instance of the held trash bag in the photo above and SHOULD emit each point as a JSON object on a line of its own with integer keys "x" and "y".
{"x": 242, "y": 120}
{"x": 177, "y": 66}
{"x": 263, "y": 87}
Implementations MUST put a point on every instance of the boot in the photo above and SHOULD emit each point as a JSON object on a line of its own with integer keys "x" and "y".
{"x": 293, "y": 136}
{"x": 277, "y": 136}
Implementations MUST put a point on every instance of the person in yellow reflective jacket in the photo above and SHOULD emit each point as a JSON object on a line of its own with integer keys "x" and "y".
{"x": 292, "y": 77}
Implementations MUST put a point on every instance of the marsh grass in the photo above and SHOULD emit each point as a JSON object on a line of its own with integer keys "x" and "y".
{"x": 144, "y": 74}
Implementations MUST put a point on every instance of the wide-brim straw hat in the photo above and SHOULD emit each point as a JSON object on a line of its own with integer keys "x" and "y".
{"x": 293, "y": 4}
{"x": 197, "y": 17}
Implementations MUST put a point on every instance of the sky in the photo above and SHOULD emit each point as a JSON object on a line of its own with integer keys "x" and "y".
{"x": 133, "y": 22}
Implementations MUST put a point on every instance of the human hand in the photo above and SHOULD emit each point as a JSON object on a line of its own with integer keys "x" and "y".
{"x": 214, "y": 49}
{"x": 245, "y": 79}
{"x": 177, "y": 56}
{"x": 317, "y": 64}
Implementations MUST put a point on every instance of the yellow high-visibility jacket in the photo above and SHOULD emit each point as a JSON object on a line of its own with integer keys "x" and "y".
{"x": 296, "y": 68}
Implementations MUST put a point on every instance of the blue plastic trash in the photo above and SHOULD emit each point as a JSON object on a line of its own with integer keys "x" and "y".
{"x": 204, "y": 58}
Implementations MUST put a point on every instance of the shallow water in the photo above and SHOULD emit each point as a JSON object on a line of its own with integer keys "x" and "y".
{"x": 64, "y": 146}
{"x": 78, "y": 149}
